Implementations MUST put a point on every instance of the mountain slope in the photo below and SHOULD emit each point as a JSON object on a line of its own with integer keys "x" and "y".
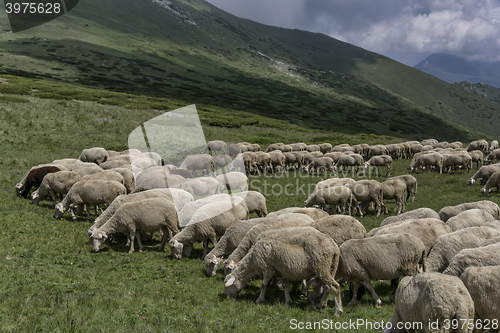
{"x": 454, "y": 69}
{"x": 193, "y": 51}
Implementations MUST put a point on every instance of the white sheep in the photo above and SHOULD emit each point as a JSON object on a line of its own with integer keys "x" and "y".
{"x": 313, "y": 213}
{"x": 203, "y": 186}
{"x": 479, "y": 256}
{"x": 477, "y": 156}
{"x": 233, "y": 181}
{"x": 494, "y": 155}
{"x": 320, "y": 163}
{"x": 128, "y": 177}
{"x": 493, "y": 182}
{"x": 457, "y": 161}
{"x": 55, "y": 183}
{"x": 429, "y": 161}
{"x": 449, "y": 211}
{"x": 86, "y": 168}
{"x": 207, "y": 223}
{"x": 431, "y": 302}
{"x": 256, "y": 202}
{"x": 147, "y": 215}
{"x": 89, "y": 192}
{"x": 383, "y": 257}
{"x": 482, "y": 284}
{"x": 293, "y": 254}
{"x": 339, "y": 196}
{"x": 418, "y": 213}
{"x": 380, "y": 160}
{"x": 202, "y": 162}
{"x": 190, "y": 208}
{"x": 448, "y": 245}
{"x": 394, "y": 189}
{"x": 158, "y": 177}
{"x": 365, "y": 191}
{"x": 469, "y": 218}
{"x": 214, "y": 146}
{"x": 411, "y": 185}
{"x": 340, "y": 228}
{"x": 109, "y": 175}
{"x": 484, "y": 173}
{"x": 95, "y": 155}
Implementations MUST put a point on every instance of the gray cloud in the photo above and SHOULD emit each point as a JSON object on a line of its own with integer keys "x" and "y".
{"x": 405, "y": 30}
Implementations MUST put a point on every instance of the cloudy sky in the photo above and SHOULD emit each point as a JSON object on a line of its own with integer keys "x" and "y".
{"x": 404, "y": 30}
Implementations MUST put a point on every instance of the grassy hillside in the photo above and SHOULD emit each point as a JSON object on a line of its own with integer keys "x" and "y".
{"x": 192, "y": 51}
{"x": 53, "y": 281}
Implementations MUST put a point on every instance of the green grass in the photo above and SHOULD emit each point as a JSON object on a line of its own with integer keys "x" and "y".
{"x": 54, "y": 282}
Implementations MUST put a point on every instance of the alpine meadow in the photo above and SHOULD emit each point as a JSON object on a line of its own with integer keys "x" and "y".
{"x": 92, "y": 76}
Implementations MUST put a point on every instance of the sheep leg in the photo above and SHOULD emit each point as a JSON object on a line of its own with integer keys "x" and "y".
{"x": 132, "y": 237}
{"x": 286, "y": 287}
{"x": 138, "y": 237}
{"x": 354, "y": 300}
{"x": 265, "y": 281}
{"x": 166, "y": 234}
{"x": 378, "y": 301}
{"x": 338, "y": 300}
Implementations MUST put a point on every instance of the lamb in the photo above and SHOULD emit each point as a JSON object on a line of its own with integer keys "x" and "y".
{"x": 177, "y": 196}
{"x": 203, "y": 186}
{"x": 383, "y": 257}
{"x": 228, "y": 243}
{"x": 493, "y": 182}
{"x": 283, "y": 221}
{"x": 469, "y": 218}
{"x": 432, "y": 302}
{"x": 484, "y": 173}
{"x": 313, "y": 213}
{"x": 480, "y": 256}
{"x": 95, "y": 155}
{"x": 294, "y": 254}
{"x": 366, "y": 191}
{"x": 482, "y": 284}
{"x": 256, "y": 202}
{"x": 207, "y": 223}
{"x": 203, "y": 162}
{"x": 395, "y": 189}
{"x": 233, "y": 181}
{"x": 380, "y": 160}
{"x": 90, "y": 192}
{"x": 340, "y": 196}
{"x": 216, "y": 145}
{"x": 34, "y": 178}
{"x": 55, "y": 183}
{"x": 448, "y": 245}
{"x": 494, "y": 155}
{"x": 427, "y": 230}
{"x": 449, "y": 211}
{"x": 411, "y": 185}
{"x": 320, "y": 163}
{"x": 146, "y": 215}
{"x": 477, "y": 156}
{"x": 454, "y": 161}
{"x": 429, "y": 161}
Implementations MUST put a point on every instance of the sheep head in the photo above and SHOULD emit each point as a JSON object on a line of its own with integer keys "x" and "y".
{"x": 212, "y": 263}
{"x": 229, "y": 266}
{"x": 58, "y": 211}
{"x": 98, "y": 239}
{"x": 233, "y": 286}
{"x": 472, "y": 181}
{"x": 176, "y": 248}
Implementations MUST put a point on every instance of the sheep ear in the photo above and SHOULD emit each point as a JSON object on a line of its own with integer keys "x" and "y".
{"x": 230, "y": 282}
{"x": 92, "y": 235}
{"x": 104, "y": 235}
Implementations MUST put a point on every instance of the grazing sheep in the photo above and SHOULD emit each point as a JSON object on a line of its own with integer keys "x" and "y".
{"x": 207, "y": 223}
{"x": 179, "y": 197}
{"x": 90, "y": 192}
{"x": 449, "y": 211}
{"x": 383, "y": 257}
{"x": 85, "y": 168}
{"x": 144, "y": 163}
{"x": 293, "y": 254}
{"x": 469, "y": 218}
{"x": 203, "y": 162}
{"x": 233, "y": 181}
{"x": 128, "y": 178}
{"x": 299, "y": 146}
{"x": 419, "y": 213}
{"x": 223, "y": 161}
{"x": 235, "y": 149}
{"x": 493, "y": 182}
{"x": 262, "y": 162}
{"x": 457, "y": 161}
{"x": 186, "y": 212}
{"x": 340, "y": 228}
{"x": 380, "y": 160}
{"x": 278, "y": 159}
{"x": 480, "y": 256}
{"x": 253, "y": 147}
{"x": 340, "y": 196}
{"x": 494, "y": 145}
{"x": 494, "y": 155}
{"x": 203, "y": 186}
{"x": 484, "y": 173}
{"x": 274, "y": 146}
{"x": 352, "y": 160}
{"x": 276, "y": 222}
{"x": 448, "y": 245}
{"x": 55, "y": 183}
{"x": 147, "y": 215}
{"x": 66, "y": 161}
{"x": 228, "y": 243}
{"x": 106, "y": 175}
{"x": 158, "y": 177}
{"x": 333, "y": 182}
{"x": 216, "y": 145}
{"x": 431, "y": 302}
{"x": 256, "y": 202}
{"x": 377, "y": 150}
{"x": 334, "y": 155}
{"x": 481, "y": 145}
{"x": 312, "y": 148}
{"x": 394, "y": 189}
{"x": 293, "y": 160}
{"x": 492, "y": 240}
{"x": 325, "y": 147}
{"x": 313, "y": 213}
{"x": 181, "y": 172}
{"x": 320, "y": 163}
{"x": 482, "y": 284}
{"x": 427, "y": 230}
{"x": 477, "y": 157}
{"x": 285, "y": 149}
{"x": 34, "y": 178}
{"x": 366, "y": 191}
{"x": 411, "y": 185}
{"x": 432, "y": 160}
{"x": 95, "y": 155}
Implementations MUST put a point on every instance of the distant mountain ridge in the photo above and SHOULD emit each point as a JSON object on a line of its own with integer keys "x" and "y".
{"x": 194, "y": 52}
{"x": 453, "y": 69}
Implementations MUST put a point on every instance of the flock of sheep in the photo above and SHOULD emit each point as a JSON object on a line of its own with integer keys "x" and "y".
{"x": 451, "y": 258}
